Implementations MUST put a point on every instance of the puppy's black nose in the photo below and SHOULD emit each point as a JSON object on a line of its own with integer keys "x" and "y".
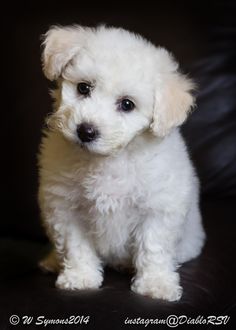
{"x": 87, "y": 132}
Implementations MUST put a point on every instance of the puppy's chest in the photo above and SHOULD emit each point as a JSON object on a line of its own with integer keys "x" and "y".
{"x": 110, "y": 186}
{"x": 108, "y": 205}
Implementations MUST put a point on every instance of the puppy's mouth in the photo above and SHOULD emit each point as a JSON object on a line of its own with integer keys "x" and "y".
{"x": 91, "y": 148}
{"x": 84, "y": 145}
{"x": 96, "y": 144}
{"x": 95, "y": 148}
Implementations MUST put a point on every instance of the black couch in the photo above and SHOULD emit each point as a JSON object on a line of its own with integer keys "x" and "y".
{"x": 202, "y": 37}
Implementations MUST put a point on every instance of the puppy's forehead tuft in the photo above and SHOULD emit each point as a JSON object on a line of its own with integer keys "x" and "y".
{"x": 116, "y": 53}
{"x": 123, "y": 49}
{"x": 118, "y": 38}
{"x": 119, "y": 43}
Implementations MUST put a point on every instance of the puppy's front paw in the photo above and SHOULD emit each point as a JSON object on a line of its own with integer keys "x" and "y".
{"x": 78, "y": 279}
{"x": 165, "y": 286}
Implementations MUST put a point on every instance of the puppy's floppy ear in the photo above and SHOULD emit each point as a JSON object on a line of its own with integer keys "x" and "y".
{"x": 61, "y": 44}
{"x": 172, "y": 103}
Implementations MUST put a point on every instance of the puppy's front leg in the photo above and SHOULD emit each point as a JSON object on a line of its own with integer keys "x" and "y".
{"x": 154, "y": 259}
{"x": 80, "y": 266}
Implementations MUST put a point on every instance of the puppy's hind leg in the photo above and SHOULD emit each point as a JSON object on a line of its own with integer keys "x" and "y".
{"x": 50, "y": 263}
{"x": 193, "y": 237}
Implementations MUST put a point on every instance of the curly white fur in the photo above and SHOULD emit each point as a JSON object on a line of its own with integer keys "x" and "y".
{"x": 129, "y": 198}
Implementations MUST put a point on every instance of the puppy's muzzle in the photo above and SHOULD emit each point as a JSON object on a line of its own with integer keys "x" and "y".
{"x": 87, "y": 132}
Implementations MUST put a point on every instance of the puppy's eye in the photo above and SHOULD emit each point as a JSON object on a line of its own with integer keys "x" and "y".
{"x": 126, "y": 105}
{"x": 84, "y": 88}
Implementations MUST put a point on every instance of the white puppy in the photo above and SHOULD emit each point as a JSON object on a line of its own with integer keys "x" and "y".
{"x": 116, "y": 183}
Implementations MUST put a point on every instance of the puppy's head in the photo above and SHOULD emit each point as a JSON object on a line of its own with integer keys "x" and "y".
{"x": 112, "y": 86}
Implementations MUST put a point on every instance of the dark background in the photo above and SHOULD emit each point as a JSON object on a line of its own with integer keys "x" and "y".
{"x": 202, "y": 36}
